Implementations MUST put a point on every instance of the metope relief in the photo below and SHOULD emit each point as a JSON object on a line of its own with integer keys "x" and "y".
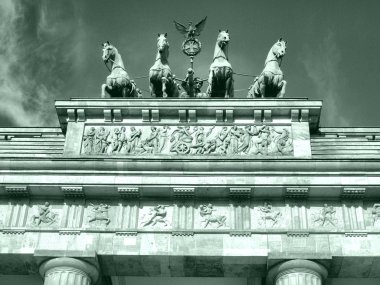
{"x": 327, "y": 217}
{"x": 266, "y": 215}
{"x": 98, "y": 215}
{"x": 375, "y": 215}
{"x": 156, "y": 217}
{"x": 44, "y": 216}
{"x": 210, "y": 216}
{"x": 248, "y": 140}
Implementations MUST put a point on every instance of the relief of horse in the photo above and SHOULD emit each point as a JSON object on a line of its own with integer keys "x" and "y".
{"x": 118, "y": 83}
{"x": 273, "y": 216}
{"x": 220, "y": 77}
{"x": 161, "y": 79}
{"x": 270, "y": 82}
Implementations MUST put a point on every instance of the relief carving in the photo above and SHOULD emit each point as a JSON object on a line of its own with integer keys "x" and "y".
{"x": 326, "y": 216}
{"x": 99, "y": 213}
{"x": 156, "y": 215}
{"x": 233, "y": 140}
{"x": 206, "y": 212}
{"x": 45, "y": 216}
{"x": 375, "y": 213}
{"x": 268, "y": 214}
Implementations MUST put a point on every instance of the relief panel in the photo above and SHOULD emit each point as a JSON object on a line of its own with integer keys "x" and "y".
{"x": 267, "y": 215}
{"x": 235, "y": 140}
{"x": 153, "y": 216}
{"x": 326, "y": 216}
{"x": 45, "y": 214}
{"x": 212, "y": 216}
{"x": 100, "y": 214}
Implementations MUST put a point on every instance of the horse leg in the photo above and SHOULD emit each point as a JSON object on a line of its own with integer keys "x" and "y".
{"x": 164, "y": 81}
{"x": 229, "y": 89}
{"x": 124, "y": 92}
{"x": 209, "y": 87}
{"x": 151, "y": 89}
{"x": 283, "y": 87}
{"x": 103, "y": 95}
{"x": 262, "y": 87}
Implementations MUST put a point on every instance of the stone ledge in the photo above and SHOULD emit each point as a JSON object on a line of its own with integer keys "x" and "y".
{"x": 129, "y": 192}
{"x": 126, "y": 233}
{"x": 72, "y": 191}
{"x": 14, "y": 231}
{"x": 353, "y": 192}
{"x": 17, "y": 191}
{"x": 240, "y": 233}
{"x": 182, "y": 233}
{"x": 69, "y": 232}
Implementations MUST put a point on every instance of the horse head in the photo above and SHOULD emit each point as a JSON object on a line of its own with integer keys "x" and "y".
{"x": 162, "y": 43}
{"x": 279, "y": 48}
{"x": 109, "y": 52}
{"x": 223, "y": 38}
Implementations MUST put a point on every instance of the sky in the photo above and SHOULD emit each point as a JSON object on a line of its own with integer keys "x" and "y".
{"x": 51, "y": 50}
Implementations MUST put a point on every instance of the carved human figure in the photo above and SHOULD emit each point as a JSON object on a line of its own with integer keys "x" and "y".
{"x": 44, "y": 216}
{"x": 263, "y": 141}
{"x": 198, "y": 84}
{"x": 245, "y": 139}
{"x": 235, "y": 134}
{"x": 269, "y": 214}
{"x": 162, "y": 138}
{"x": 222, "y": 140}
{"x": 375, "y": 213}
{"x": 88, "y": 141}
{"x": 133, "y": 140}
{"x": 100, "y": 143}
{"x": 99, "y": 213}
{"x": 113, "y": 141}
{"x": 326, "y": 215}
{"x": 206, "y": 212}
{"x": 152, "y": 142}
{"x": 157, "y": 215}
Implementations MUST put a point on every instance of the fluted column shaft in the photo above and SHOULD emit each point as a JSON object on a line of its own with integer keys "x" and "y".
{"x": 68, "y": 271}
{"x": 297, "y": 272}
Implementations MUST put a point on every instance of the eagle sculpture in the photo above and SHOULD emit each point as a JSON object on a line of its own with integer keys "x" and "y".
{"x": 191, "y": 31}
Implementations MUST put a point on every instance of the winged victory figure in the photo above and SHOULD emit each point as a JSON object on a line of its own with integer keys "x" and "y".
{"x": 191, "y": 31}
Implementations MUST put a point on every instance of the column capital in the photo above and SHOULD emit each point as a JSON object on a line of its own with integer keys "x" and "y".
{"x": 296, "y": 266}
{"x": 62, "y": 263}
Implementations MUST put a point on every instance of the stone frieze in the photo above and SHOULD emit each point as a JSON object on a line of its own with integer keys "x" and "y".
{"x": 235, "y": 140}
{"x": 310, "y": 216}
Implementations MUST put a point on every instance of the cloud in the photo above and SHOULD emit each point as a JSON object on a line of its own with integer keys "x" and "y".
{"x": 36, "y": 54}
{"x": 321, "y": 63}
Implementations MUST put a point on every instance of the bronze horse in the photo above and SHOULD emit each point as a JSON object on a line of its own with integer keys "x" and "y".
{"x": 161, "y": 79}
{"x": 220, "y": 77}
{"x": 270, "y": 82}
{"x": 118, "y": 83}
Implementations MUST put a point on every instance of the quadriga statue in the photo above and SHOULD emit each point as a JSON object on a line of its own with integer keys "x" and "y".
{"x": 118, "y": 83}
{"x": 161, "y": 79}
{"x": 220, "y": 77}
{"x": 270, "y": 82}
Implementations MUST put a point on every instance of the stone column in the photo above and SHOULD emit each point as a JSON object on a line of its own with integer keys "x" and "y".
{"x": 68, "y": 271}
{"x": 297, "y": 272}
